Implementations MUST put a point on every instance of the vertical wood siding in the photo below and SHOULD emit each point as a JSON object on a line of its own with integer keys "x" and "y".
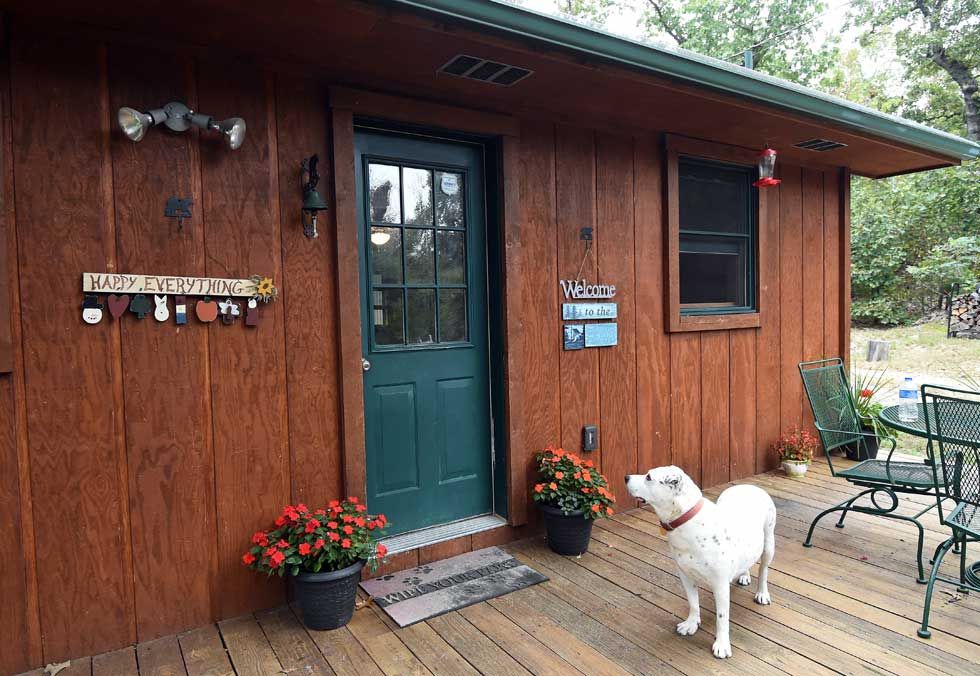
{"x": 137, "y": 457}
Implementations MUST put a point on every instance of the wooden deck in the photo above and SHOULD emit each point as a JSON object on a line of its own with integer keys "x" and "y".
{"x": 848, "y": 605}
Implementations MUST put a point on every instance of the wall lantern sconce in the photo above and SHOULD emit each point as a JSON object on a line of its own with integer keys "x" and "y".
{"x": 312, "y": 202}
{"x": 767, "y": 166}
{"x": 178, "y": 117}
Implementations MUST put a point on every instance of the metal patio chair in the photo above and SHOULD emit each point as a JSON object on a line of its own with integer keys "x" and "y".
{"x": 838, "y": 424}
{"x": 953, "y": 421}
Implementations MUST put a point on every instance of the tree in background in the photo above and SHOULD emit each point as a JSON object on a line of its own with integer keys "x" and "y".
{"x": 905, "y": 230}
{"x": 938, "y": 42}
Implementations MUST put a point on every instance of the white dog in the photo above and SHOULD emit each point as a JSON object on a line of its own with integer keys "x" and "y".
{"x": 712, "y": 544}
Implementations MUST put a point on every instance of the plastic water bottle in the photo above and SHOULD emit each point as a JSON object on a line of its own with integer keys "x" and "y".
{"x": 908, "y": 401}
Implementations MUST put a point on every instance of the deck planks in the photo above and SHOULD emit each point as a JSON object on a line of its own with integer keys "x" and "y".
{"x": 847, "y": 605}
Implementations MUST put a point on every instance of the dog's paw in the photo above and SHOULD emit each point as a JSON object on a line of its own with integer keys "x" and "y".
{"x": 744, "y": 580}
{"x": 688, "y": 627}
{"x": 721, "y": 649}
{"x": 763, "y": 598}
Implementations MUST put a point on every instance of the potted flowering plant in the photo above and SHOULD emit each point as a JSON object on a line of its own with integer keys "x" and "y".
{"x": 323, "y": 551}
{"x": 795, "y": 451}
{"x": 864, "y": 392}
{"x": 571, "y": 495}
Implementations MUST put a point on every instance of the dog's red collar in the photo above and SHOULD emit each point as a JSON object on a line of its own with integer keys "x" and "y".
{"x": 683, "y": 518}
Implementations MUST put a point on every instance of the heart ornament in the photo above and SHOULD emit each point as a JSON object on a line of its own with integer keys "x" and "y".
{"x": 118, "y": 304}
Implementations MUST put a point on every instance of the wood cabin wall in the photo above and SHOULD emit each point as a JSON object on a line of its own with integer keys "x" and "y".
{"x": 136, "y": 457}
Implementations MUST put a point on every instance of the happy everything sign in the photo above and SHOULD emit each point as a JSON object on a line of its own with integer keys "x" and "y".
{"x": 105, "y": 282}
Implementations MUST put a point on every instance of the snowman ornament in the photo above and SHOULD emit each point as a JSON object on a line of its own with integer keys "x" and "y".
{"x": 91, "y": 310}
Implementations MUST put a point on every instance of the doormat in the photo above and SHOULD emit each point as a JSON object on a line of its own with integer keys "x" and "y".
{"x": 417, "y": 594}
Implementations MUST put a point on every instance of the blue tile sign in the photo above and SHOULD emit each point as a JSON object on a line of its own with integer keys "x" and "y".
{"x": 588, "y": 311}
{"x": 601, "y": 335}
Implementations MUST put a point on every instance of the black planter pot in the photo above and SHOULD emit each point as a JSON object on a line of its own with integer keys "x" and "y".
{"x": 327, "y": 599}
{"x": 866, "y": 451}
{"x": 568, "y": 534}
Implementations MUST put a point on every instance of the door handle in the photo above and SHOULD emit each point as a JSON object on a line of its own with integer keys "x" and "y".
{"x": 365, "y": 365}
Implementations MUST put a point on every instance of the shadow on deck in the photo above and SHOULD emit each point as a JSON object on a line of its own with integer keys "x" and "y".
{"x": 850, "y": 604}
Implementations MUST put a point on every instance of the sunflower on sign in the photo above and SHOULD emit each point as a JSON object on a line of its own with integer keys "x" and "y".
{"x": 264, "y": 289}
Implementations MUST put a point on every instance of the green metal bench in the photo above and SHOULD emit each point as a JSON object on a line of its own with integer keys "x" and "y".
{"x": 953, "y": 423}
{"x": 838, "y": 425}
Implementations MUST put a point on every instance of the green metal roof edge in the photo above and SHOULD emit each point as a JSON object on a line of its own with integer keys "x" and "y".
{"x": 702, "y": 70}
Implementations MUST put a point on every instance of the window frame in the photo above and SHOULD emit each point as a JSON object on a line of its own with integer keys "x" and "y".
{"x": 717, "y": 318}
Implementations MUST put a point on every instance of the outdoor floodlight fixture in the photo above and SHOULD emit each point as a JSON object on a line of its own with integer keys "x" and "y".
{"x": 178, "y": 117}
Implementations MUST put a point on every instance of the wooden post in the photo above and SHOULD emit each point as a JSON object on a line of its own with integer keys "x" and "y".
{"x": 878, "y": 350}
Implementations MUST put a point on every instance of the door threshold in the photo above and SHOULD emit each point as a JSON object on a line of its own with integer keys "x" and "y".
{"x": 441, "y": 533}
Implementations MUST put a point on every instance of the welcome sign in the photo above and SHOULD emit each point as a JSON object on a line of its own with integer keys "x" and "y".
{"x": 576, "y": 289}
{"x": 105, "y": 282}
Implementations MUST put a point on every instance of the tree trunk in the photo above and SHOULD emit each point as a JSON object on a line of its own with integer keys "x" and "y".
{"x": 969, "y": 88}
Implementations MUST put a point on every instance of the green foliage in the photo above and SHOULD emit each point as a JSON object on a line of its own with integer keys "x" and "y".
{"x": 904, "y": 232}
{"x": 953, "y": 264}
{"x": 779, "y": 33}
{"x": 938, "y": 43}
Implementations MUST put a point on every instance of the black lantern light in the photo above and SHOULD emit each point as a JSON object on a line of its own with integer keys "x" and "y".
{"x": 312, "y": 202}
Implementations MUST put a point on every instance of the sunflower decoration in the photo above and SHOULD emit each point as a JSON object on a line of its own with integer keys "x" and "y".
{"x": 264, "y": 289}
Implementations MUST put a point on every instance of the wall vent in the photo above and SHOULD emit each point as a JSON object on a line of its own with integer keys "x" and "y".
{"x": 484, "y": 70}
{"x": 820, "y": 145}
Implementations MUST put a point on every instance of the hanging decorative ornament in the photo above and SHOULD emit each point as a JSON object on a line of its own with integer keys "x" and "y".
{"x": 767, "y": 167}
{"x": 264, "y": 289}
{"x": 180, "y": 309}
{"x": 161, "y": 312}
{"x": 252, "y": 313}
{"x": 118, "y": 304}
{"x": 91, "y": 310}
{"x": 230, "y": 311}
{"x": 140, "y": 306}
{"x": 207, "y": 310}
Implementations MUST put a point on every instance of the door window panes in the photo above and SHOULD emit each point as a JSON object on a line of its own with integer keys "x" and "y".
{"x": 385, "y": 197}
{"x": 418, "y": 255}
{"x": 386, "y": 255}
{"x": 388, "y": 317}
{"x": 449, "y": 199}
{"x": 452, "y": 256}
{"x": 452, "y": 315}
{"x": 418, "y": 196}
{"x": 421, "y": 316}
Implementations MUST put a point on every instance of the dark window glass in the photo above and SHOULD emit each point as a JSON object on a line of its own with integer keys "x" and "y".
{"x": 717, "y": 236}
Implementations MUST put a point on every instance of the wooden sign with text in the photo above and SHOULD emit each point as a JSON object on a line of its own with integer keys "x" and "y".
{"x": 105, "y": 282}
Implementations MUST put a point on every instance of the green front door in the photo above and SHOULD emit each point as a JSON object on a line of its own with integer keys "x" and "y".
{"x": 424, "y": 326}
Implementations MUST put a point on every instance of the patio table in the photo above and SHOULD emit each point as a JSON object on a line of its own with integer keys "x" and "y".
{"x": 890, "y": 417}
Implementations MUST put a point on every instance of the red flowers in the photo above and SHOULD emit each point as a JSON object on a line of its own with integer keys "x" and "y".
{"x": 304, "y": 540}
{"x": 382, "y": 551}
{"x": 571, "y": 484}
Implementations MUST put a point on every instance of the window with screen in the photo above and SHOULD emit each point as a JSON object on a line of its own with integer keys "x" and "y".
{"x": 713, "y": 235}
{"x": 717, "y": 236}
